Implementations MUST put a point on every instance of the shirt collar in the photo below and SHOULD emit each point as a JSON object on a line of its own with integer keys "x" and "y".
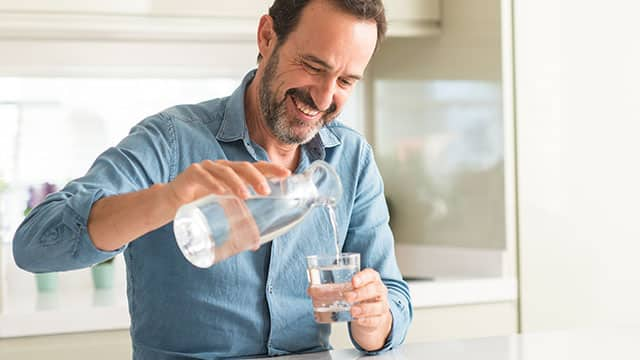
{"x": 234, "y": 122}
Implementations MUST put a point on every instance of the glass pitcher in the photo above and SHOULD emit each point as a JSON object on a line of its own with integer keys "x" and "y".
{"x": 216, "y": 227}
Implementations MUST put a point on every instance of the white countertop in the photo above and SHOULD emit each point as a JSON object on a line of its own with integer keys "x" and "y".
{"x": 583, "y": 344}
{"x": 461, "y": 291}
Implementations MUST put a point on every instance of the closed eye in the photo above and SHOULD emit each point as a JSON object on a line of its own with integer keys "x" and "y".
{"x": 345, "y": 82}
{"x": 312, "y": 68}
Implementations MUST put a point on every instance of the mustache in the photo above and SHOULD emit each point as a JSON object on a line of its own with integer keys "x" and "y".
{"x": 306, "y": 98}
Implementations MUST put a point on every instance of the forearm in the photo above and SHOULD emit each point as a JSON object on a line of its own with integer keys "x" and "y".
{"x": 117, "y": 220}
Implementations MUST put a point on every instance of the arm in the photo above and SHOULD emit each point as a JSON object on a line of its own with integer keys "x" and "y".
{"x": 115, "y": 221}
{"x": 123, "y": 197}
{"x": 55, "y": 235}
{"x": 385, "y": 312}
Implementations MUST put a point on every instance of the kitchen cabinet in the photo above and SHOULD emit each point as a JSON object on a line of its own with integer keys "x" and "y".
{"x": 193, "y": 20}
{"x": 103, "y": 345}
{"x": 449, "y": 323}
{"x": 429, "y": 324}
{"x": 443, "y": 130}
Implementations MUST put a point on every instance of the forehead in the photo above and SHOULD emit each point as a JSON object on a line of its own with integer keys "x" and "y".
{"x": 334, "y": 35}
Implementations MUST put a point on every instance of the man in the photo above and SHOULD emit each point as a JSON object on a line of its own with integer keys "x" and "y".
{"x": 311, "y": 54}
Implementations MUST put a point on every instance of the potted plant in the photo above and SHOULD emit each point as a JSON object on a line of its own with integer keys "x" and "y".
{"x": 102, "y": 274}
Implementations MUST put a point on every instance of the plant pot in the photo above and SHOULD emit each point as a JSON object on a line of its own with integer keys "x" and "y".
{"x": 47, "y": 282}
{"x": 102, "y": 275}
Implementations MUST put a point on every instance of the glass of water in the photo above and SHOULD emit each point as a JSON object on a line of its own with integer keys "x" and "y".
{"x": 329, "y": 279}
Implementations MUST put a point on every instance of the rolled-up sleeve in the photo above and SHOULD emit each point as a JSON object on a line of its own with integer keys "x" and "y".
{"x": 370, "y": 235}
{"x": 54, "y": 236}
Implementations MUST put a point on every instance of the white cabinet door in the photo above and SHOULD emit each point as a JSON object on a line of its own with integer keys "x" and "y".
{"x": 237, "y": 8}
{"x": 406, "y": 17}
{"x": 77, "y": 6}
{"x": 577, "y": 114}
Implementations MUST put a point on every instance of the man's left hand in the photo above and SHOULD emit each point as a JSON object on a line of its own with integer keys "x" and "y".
{"x": 372, "y": 316}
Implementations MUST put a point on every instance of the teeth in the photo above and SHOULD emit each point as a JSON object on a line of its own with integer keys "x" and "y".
{"x": 305, "y": 109}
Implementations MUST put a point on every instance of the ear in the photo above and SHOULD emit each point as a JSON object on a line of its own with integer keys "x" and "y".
{"x": 266, "y": 36}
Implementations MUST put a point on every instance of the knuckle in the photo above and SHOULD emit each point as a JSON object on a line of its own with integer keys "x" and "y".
{"x": 375, "y": 274}
{"x": 225, "y": 170}
{"x": 370, "y": 273}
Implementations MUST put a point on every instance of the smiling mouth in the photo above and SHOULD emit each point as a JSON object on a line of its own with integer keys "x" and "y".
{"x": 303, "y": 108}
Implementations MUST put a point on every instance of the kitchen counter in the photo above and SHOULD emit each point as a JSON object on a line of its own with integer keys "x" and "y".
{"x": 77, "y": 307}
{"x": 582, "y": 344}
{"x": 85, "y": 309}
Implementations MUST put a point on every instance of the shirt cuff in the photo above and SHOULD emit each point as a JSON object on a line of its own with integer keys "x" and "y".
{"x": 76, "y": 217}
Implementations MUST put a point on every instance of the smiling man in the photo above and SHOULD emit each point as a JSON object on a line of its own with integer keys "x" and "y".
{"x": 280, "y": 119}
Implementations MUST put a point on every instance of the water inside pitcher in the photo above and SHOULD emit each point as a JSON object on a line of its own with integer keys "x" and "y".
{"x": 216, "y": 227}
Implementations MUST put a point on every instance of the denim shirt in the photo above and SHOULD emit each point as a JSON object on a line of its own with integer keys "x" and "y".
{"x": 254, "y": 303}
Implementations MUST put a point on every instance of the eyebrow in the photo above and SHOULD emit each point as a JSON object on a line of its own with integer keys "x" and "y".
{"x": 326, "y": 66}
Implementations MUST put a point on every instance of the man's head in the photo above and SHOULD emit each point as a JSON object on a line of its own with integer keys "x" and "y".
{"x": 312, "y": 52}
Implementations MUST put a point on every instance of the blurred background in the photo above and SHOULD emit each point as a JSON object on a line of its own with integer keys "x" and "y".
{"x": 505, "y": 131}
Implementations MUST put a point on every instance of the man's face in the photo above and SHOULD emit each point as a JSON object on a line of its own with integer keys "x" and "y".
{"x": 308, "y": 77}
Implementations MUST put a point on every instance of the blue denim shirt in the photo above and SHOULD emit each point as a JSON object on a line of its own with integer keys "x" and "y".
{"x": 254, "y": 303}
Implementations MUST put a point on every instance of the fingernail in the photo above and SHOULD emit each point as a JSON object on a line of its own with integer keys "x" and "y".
{"x": 355, "y": 311}
{"x": 356, "y": 282}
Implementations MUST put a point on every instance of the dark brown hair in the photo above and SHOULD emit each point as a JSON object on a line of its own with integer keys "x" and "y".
{"x": 286, "y": 15}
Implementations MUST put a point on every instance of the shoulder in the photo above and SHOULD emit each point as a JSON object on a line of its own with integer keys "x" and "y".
{"x": 204, "y": 112}
{"x": 208, "y": 112}
{"x": 187, "y": 117}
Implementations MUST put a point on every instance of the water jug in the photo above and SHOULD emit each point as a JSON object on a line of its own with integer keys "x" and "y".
{"x": 215, "y": 227}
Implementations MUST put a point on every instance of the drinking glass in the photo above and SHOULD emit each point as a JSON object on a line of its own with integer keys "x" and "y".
{"x": 329, "y": 279}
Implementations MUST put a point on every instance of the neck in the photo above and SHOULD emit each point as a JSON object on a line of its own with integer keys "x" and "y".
{"x": 286, "y": 155}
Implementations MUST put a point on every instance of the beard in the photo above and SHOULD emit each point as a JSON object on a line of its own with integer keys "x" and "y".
{"x": 285, "y": 128}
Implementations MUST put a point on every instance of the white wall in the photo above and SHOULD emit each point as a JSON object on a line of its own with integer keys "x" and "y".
{"x": 577, "y": 117}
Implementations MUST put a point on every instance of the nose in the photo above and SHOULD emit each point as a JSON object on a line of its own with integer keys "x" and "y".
{"x": 323, "y": 93}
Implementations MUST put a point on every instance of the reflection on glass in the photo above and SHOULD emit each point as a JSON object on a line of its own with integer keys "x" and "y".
{"x": 439, "y": 145}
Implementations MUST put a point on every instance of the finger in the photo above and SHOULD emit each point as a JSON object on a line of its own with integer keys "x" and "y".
{"x": 272, "y": 170}
{"x": 251, "y": 176}
{"x": 369, "y": 309}
{"x": 370, "y": 322}
{"x": 371, "y": 291}
{"x": 364, "y": 277}
{"x": 227, "y": 176}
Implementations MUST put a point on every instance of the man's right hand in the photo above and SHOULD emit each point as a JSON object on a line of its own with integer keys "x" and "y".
{"x": 116, "y": 220}
{"x": 223, "y": 177}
